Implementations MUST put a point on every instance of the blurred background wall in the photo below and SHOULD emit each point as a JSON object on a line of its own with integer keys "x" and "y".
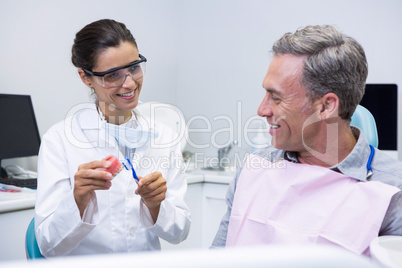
{"x": 207, "y": 57}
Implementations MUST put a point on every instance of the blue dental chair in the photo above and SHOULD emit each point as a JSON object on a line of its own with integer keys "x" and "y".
{"x": 31, "y": 246}
{"x": 363, "y": 119}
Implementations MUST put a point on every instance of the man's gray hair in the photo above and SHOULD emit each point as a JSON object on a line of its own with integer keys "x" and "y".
{"x": 335, "y": 63}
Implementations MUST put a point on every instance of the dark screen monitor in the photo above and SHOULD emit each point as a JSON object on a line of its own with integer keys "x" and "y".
{"x": 19, "y": 135}
{"x": 382, "y": 101}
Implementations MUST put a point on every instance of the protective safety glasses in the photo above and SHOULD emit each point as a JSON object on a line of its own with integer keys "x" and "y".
{"x": 115, "y": 77}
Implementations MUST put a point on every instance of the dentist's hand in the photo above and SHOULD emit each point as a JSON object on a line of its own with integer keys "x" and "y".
{"x": 89, "y": 178}
{"x": 152, "y": 189}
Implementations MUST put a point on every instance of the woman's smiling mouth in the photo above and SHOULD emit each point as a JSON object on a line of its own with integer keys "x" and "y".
{"x": 127, "y": 94}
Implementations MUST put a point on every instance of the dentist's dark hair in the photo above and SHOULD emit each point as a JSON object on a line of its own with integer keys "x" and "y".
{"x": 95, "y": 38}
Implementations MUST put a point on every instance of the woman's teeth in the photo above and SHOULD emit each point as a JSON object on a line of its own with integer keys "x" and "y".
{"x": 127, "y": 94}
{"x": 274, "y": 126}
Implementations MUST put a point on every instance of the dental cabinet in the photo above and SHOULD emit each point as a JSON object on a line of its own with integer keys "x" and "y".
{"x": 16, "y": 211}
{"x": 205, "y": 197}
{"x": 206, "y": 193}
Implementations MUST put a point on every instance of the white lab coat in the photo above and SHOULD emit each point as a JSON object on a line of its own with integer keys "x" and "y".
{"x": 116, "y": 220}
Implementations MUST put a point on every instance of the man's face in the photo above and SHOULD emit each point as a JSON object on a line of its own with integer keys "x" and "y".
{"x": 285, "y": 104}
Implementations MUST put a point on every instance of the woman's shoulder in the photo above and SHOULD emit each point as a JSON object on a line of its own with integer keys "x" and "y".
{"x": 83, "y": 112}
{"x": 55, "y": 128}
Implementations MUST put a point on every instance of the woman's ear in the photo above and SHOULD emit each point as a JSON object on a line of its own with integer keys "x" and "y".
{"x": 85, "y": 79}
{"x": 330, "y": 109}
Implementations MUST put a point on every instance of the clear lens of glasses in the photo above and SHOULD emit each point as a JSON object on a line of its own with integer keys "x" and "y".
{"x": 117, "y": 78}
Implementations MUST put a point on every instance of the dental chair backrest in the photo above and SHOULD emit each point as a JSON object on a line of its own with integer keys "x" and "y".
{"x": 31, "y": 246}
{"x": 363, "y": 119}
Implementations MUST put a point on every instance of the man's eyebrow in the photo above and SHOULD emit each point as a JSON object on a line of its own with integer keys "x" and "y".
{"x": 273, "y": 91}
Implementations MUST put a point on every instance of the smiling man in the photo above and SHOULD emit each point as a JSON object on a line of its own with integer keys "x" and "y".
{"x": 312, "y": 186}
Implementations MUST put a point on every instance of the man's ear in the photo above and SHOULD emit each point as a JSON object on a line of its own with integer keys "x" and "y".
{"x": 330, "y": 106}
{"x": 85, "y": 79}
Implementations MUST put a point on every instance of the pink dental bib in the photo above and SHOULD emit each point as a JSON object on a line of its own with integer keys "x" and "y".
{"x": 283, "y": 202}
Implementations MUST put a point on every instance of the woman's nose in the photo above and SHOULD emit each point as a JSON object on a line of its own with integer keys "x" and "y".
{"x": 128, "y": 80}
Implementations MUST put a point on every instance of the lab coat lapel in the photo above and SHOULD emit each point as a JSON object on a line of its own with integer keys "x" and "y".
{"x": 90, "y": 123}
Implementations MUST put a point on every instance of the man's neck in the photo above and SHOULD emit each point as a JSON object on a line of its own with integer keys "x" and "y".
{"x": 330, "y": 154}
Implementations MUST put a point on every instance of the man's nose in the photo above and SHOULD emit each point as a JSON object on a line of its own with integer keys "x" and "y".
{"x": 265, "y": 109}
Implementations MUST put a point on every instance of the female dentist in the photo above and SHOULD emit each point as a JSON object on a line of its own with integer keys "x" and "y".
{"x": 79, "y": 208}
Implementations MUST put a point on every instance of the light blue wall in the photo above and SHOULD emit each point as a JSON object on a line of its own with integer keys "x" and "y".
{"x": 224, "y": 49}
{"x": 206, "y": 56}
{"x": 35, "y": 51}
{"x": 36, "y": 40}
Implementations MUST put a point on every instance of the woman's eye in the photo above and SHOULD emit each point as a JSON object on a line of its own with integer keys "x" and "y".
{"x": 134, "y": 68}
{"x": 112, "y": 76}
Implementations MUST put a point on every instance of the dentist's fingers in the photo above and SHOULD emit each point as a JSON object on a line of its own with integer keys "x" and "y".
{"x": 98, "y": 164}
{"x": 152, "y": 189}
{"x": 150, "y": 178}
{"x": 87, "y": 179}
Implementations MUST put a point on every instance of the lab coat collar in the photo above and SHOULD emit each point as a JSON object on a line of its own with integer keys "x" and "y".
{"x": 88, "y": 113}
{"x": 90, "y": 123}
{"x": 88, "y": 116}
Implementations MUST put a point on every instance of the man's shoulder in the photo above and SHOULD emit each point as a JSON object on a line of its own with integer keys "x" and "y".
{"x": 387, "y": 169}
{"x": 384, "y": 162}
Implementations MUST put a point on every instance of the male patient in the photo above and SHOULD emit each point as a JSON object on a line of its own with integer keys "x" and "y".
{"x": 321, "y": 182}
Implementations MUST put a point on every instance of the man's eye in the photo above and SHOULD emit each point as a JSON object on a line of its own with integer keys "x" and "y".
{"x": 275, "y": 99}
